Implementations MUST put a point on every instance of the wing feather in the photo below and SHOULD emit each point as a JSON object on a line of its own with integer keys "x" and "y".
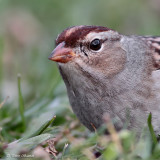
{"x": 154, "y": 41}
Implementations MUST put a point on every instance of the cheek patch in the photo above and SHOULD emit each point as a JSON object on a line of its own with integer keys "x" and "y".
{"x": 110, "y": 63}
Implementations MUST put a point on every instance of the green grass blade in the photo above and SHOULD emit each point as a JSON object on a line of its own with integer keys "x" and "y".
{"x": 21, "y": 102}
{"x": 154, "y": 138}
{"x": 44, "y": 127}
{"x": 41, "y": 129}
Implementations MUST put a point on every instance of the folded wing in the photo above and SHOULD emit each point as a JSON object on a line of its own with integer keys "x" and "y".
{"x": 154, "y": 41}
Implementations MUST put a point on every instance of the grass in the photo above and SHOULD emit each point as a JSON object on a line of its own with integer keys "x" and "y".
{"x": 62, "y": 136}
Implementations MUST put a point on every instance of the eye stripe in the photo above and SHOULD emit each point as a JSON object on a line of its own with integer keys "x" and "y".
{"x": 82, "y": 49}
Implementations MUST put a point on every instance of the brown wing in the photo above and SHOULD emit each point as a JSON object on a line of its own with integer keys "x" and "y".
{"x": 154, "y": 41}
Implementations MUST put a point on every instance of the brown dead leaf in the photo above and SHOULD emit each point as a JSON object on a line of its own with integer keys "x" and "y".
{"x": 51, "y": 147}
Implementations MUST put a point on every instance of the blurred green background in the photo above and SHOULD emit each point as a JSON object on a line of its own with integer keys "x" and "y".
{"x": 28, "y": 29}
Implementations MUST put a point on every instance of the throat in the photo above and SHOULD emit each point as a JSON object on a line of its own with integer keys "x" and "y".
{"x": 87, "y": 96}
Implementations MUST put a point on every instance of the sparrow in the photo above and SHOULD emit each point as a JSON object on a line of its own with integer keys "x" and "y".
{"x": 106, "y": 72}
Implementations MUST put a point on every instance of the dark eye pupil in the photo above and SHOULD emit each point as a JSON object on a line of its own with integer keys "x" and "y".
{"x": 95, "y": 44}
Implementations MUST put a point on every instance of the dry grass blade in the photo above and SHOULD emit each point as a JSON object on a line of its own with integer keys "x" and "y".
{"x": 89, "y": 154}
{"x": 1, "y": 104}
{"x": 114, "y": 135}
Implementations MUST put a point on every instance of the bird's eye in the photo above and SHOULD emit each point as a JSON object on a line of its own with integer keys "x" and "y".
{"x": 95, "y": 45}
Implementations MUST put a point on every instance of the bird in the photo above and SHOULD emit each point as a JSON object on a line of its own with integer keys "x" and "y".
{"x": 106, "y": 72}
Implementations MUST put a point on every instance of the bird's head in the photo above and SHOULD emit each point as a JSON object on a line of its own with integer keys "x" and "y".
{"x": 94, "y": 47}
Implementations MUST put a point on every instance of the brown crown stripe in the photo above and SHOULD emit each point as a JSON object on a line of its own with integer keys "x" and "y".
{"x": 71, "y": 35}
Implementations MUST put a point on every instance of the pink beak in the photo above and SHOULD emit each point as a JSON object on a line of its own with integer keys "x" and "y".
{"x": 62, "y": 54}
